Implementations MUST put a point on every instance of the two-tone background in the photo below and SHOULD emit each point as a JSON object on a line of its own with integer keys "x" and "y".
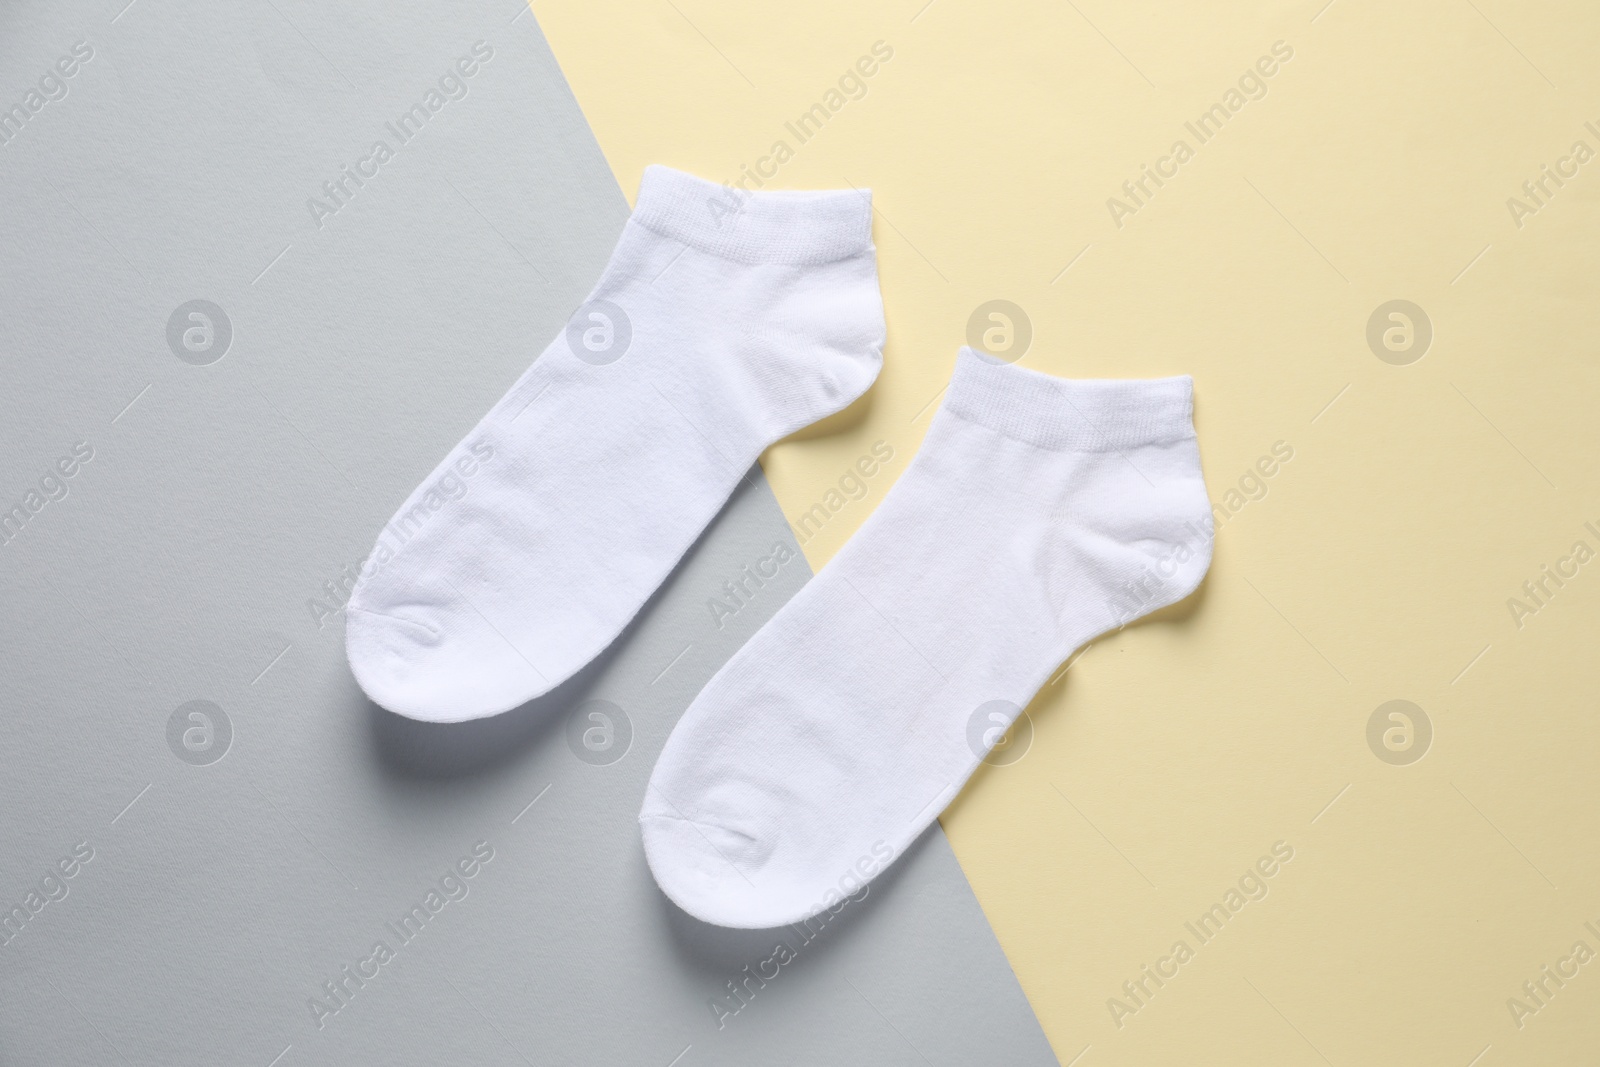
{"x": 1338, "y": 808}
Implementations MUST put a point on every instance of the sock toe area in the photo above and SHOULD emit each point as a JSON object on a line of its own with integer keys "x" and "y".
{"x": 716, "y": 874}
{"x": 441, "y": 665}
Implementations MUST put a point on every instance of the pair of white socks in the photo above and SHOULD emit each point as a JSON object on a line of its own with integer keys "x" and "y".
{"x": 1038, "y": 513}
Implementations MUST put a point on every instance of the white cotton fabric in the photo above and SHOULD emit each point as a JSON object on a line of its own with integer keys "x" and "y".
{"x": 1038, "y": 514}
{"x": 739, "y": 318}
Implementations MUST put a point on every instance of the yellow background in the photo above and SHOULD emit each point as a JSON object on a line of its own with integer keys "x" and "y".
{"x": 1379, "y": 563}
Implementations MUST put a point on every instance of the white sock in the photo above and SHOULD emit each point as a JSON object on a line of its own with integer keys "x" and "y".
{"x": 1038, "y": 514}
{"x": 713, "y": 332}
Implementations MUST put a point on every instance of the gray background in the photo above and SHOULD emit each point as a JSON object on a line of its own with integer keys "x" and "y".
{"x": 181, "y": 563}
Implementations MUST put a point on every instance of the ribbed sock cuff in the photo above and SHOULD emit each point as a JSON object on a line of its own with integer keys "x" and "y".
{"x": 1083, "y": 415}
{"x": 765, "y": 227}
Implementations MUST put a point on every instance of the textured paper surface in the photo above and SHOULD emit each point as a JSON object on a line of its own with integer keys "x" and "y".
{"x": 226, "y": 362}
{"x": 1384, "y": 160}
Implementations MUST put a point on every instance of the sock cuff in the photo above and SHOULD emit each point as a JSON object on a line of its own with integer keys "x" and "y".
{"x": 1082, "y": 415}
{"x": 765, "y": 227}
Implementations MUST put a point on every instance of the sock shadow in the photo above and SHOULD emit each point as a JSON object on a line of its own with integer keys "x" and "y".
{"x": 434, "y": 750}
